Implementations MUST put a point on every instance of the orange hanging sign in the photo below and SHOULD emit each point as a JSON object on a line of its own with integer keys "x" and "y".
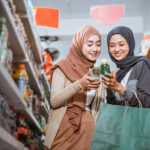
{"x": 46, "y": 17}
{"x": 107, "y": 14}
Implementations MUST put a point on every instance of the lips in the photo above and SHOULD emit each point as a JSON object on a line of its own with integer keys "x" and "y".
{"x": 118, "y": 54}
{"x": 93, "y": 55}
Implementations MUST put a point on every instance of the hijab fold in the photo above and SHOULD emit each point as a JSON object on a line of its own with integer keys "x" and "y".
{"x": 128, "y": 62}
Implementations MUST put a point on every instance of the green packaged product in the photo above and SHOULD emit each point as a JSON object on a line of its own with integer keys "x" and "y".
{"x": 104, "y": 67}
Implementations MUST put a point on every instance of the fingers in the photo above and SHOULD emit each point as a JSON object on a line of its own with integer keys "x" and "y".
{"x": 89, "y": 83}
{"x": 109, "y": 81}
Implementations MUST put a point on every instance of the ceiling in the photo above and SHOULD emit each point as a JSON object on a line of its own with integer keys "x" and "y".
{"x": 75, "y": 13}
{"x": 81, "y": 8}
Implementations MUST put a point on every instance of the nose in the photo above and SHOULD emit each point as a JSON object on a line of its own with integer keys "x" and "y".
{"x": 117, "y": 48}
{"x": 94, "y": 48}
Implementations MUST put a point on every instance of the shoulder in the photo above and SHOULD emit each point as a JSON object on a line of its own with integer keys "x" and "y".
{"x": 141, "y": 65}
{"x": 140, "y": 68}
{"x": 58, "y": 73}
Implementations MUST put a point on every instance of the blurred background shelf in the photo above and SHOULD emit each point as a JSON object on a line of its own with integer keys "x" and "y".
{"x": 45, "y": 83}
{"x": 7, "y": 142}
{"x": 44, "y": 111}
{"x": 21, "y": 8}
{"x": 9, "y": 89}
{"x": 16, "y": 42}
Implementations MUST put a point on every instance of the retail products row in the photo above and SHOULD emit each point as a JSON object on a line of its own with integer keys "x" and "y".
{"x": 24, "y": 87}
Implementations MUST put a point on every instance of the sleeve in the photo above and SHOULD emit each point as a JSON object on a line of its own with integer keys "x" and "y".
{"x": 141, "y": 85}
{"x": 59, "y": 93}
{"x": 111, "y": 99}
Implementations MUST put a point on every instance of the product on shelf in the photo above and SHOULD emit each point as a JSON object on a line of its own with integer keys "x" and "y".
{"x": 8, "y": 59}
{"x": 35, "y": 106}
{"x": 22, "y": 128}
{"x": 7, "y": 116}
{"x": 47, "y": 64}
{"x": 42, "y": 122}
{"x": 21, "y": 79}
{"x": 3, "y": 39}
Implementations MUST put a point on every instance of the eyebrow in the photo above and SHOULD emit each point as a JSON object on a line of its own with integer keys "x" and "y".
{"x": 92, "y": 41}
{"x": 119, "y": 42}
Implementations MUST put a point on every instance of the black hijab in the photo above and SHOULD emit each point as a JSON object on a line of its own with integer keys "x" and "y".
{"x": 128, "y": 62}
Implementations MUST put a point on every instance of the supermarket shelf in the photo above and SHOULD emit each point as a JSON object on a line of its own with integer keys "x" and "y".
{"x": 15, "y": 40}
{"x": 33, "y": 78}
{"x": 18, "y": 46}
{"x": 31, "y": 119}
{"x": 44, "y": 111}
{"x": 8, "y": 142}
{"x": 11, "y": 92}
{"x": 34, "y": 40}
{"x": 45, "y": 84}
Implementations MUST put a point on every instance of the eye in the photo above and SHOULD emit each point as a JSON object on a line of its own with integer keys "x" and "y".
{"x": 99, "y": 44}
{"x": 89, "y": 45}
{"x": 111, "y": 46}
{"x": 122, "y": 45}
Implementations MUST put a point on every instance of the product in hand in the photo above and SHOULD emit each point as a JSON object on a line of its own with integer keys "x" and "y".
{"x": 104, "y": 67}
{"x": 95, "y": 71}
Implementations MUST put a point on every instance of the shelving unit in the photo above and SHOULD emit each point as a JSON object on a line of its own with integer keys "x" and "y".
{"x": 11, "y": 92}
{"x": 18, "y": 48}
{"x": 7, "y": 86}
{"x": 33, "y": 38}
{"x": 45, "y": 83}
{"x": 7, "y": 141}
{"x": 33, "y": 79}
{"x": 44, "y": 111}
{"x": 15, "y": 41}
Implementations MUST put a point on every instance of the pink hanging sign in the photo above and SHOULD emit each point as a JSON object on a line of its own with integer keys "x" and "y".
{"x": 107, "y": 14}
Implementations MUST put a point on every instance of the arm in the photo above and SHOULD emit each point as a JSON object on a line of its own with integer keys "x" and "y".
{"x": 59, "y": 93}
{"x": 140, "y": 83}
{"x": 111, "y": 99}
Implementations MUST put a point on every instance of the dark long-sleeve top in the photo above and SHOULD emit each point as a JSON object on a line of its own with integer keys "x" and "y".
{"x": 139, "y": 81}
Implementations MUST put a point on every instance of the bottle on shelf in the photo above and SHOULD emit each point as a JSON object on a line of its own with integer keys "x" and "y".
{"x": 104, "y": 67}
{"x": 21, "y": 79}
{"x": 3, "y": 39}
{"x": 8, "y": 58}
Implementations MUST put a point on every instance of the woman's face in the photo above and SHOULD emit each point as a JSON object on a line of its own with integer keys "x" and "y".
{"x": 92, "y": 48}
{"x": 118, "y": 47}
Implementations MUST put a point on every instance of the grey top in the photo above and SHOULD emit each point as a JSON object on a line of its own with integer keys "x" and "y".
{"x": 139, "y": 81}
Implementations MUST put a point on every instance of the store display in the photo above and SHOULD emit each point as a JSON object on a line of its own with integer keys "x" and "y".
{"x": 20, "y": 70}
{"x": 47, "y": 64}
{"x": 145, "y": 44}
{"x": 3, "y": 39}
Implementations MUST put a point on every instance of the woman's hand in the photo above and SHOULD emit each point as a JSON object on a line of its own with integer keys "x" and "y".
{"x": 110, "y": 82}
{"x": 89, "y": 83}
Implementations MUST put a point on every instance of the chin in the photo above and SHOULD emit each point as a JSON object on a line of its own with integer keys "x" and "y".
{"x": 92, "y": 60}
{"x": 118, "y": 58}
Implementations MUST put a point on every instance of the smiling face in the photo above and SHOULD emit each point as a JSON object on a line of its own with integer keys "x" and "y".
{"x": 92, "y": 48}
{"x": 118, "y": 47}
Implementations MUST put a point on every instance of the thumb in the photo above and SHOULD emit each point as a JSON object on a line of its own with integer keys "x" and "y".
{"x": 114, "y": 74}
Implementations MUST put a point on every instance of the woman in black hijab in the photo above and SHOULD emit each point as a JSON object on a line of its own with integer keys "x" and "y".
{"x": 133, "y": 74}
